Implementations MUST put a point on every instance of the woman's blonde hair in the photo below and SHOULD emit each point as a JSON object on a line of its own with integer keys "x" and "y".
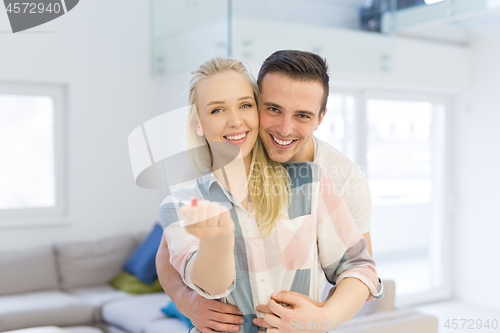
{"x": 269, "y": 182}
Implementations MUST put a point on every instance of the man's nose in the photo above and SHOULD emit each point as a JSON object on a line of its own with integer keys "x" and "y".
{"x": 285, "y": 127}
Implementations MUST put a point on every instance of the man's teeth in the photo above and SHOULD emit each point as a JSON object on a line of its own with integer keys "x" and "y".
{"x": 236, "y": 137}
{"x": 281, "y": 142}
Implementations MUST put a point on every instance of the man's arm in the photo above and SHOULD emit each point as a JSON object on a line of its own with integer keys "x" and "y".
{"x": 205, "y": 314}
{"x": 348, "y": 298}
{"x": 369, "y": 242}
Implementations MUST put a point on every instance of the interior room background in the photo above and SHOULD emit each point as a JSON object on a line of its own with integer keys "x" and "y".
{"x": 414, "y": 101}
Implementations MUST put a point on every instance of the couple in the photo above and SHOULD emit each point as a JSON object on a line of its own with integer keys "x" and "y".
{"x": 264, "y": 252}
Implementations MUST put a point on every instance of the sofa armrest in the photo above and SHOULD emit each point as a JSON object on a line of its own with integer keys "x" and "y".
{"x": 395, "y": 320}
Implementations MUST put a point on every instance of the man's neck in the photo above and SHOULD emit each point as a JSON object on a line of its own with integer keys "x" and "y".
{"x": 306, "y": 153}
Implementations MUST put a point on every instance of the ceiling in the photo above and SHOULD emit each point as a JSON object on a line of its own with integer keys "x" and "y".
{"x": 456, "y": 28}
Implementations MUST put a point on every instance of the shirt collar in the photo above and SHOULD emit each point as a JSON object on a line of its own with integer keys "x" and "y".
{"x": 316, "y": 144}
{"x": 208, "y": 179}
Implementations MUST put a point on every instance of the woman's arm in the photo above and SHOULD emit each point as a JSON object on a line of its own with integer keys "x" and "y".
{"x": 207, "y": 315}
{"x": 212, "y": 267}
{"x": 201, "y": 244}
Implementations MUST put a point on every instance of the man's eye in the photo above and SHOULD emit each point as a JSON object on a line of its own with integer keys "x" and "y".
{"x": 273, "y": 109}
{"x": 303, "y": 116}
{"x": 216, "y": 111}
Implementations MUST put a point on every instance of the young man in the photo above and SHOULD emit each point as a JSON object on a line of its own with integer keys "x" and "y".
{"x": 294, "y": 91}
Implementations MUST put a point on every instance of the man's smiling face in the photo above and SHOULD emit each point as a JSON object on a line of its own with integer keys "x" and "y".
{"x": 289, "y": 114}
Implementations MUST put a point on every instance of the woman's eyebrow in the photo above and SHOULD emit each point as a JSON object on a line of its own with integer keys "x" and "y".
{"x": 215, "y": 102}
{"x": 222, "y": 102}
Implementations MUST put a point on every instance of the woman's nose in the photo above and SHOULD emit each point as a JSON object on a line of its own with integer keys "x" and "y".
{"x": 235, "y": 119}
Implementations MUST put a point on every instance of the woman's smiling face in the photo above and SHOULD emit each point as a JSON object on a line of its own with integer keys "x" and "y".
{"x": 228, "y": 111}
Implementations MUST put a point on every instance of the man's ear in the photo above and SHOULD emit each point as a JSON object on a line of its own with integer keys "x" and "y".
{"x": 321, "y": 118}
{"x": 197, "y": 128}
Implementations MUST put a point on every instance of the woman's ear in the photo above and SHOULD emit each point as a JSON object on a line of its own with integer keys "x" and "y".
{"x": 197, "y": 128}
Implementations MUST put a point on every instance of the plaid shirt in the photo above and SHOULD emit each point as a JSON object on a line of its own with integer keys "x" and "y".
{"x": 314, "y": 237}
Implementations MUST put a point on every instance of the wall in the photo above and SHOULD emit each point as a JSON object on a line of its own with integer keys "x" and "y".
{"x": 417, "y": 65}
{"x": 477, "y": 179}
{"x": 104, "y": 59}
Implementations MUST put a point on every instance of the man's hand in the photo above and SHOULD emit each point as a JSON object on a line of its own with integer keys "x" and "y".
{"x": 209, "y": 315}
{"x": 300, "y": 308}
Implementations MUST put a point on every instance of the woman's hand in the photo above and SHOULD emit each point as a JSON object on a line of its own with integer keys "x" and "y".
{"x": 299, "y": 311}
{"x": 208, "y": 220}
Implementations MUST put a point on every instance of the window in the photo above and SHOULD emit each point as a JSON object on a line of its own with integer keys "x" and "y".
{"x": 405, "y": 167}
{"x": 399, "y": 140}
{"x": 338, "y": 127}
{"x": 398, "y": 159}
{"x": 32, "y": 160}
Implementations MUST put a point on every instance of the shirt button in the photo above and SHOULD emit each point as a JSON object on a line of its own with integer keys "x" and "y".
{"x": 261, "y": 280}
{"x": 257, "y": 243}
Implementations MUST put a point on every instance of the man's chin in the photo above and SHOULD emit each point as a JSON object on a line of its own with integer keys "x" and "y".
{"x": 280, "y": 158}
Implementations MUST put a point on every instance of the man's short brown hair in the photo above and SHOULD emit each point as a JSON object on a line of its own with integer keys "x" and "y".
{"x": 298, "y": 65}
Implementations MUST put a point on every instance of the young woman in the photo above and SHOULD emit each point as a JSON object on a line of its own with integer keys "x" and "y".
{"x": 261, "y": 227}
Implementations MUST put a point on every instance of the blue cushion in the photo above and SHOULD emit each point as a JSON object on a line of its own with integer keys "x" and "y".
{"x": 171, "y": 310}
{"x": 142, "y": 262}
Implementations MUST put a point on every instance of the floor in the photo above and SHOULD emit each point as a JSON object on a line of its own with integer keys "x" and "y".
{"x": 468, "y": 317}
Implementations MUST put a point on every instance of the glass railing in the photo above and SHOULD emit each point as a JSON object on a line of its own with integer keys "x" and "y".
{"x": 352, "y": 34}
{"x": 185, "y": 33}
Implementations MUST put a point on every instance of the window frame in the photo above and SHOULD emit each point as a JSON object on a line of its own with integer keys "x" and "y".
{"x": 58, "y": 213}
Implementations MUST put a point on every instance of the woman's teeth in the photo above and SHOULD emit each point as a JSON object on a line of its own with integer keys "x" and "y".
{"x": 281, "y": 142}
{"x": 236, "y": 137}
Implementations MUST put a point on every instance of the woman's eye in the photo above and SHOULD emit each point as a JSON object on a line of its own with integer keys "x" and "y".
{"x": 246, "y": 106}
{"x": 216, "y": 111}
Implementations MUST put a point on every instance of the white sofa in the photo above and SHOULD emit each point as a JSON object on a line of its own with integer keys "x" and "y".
{"x": 67, "y": 284}
{"x": 64, "y": 284}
